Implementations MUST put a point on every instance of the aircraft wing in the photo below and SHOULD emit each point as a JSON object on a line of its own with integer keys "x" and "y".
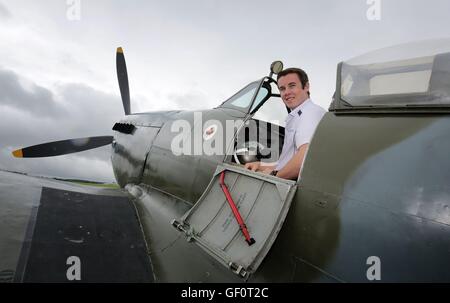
{"x": 55, "y": 231}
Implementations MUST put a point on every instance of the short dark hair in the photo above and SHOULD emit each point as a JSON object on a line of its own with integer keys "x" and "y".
{"x": 300, "y": 73}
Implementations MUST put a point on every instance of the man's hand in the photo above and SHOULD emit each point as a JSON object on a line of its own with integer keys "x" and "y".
{"x": 267, "y": 170}
{"x": 254, "y": 166}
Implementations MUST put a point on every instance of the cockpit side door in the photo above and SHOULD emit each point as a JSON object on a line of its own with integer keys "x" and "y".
{"x": 262, "y": 202}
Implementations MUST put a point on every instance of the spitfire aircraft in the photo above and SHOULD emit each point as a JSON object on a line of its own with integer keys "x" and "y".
{"x": 372, "y": 202}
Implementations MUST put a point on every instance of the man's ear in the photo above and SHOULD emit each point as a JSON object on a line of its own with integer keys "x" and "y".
{"x": 306, "y": 86}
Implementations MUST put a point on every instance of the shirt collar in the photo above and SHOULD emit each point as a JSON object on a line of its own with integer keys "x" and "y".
{"x": 299, "y": 108}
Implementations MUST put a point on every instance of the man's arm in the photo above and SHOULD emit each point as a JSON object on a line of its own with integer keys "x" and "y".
{"x": 292, "y": 169}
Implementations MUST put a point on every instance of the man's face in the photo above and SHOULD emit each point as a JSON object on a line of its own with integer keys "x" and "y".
{"x": 291, "y": 90}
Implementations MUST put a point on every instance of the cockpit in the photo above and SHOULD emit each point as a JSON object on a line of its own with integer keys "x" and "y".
{"x": 261, "y": 136}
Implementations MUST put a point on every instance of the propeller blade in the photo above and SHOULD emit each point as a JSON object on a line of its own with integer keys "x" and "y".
{"x": 122, "y": 76}
{"x": 63, "y": 147}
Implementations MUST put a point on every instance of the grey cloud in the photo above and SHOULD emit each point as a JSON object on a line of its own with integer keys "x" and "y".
{"x": 91, "y": 111}
{"x": 71, "y": 111}
{"x": 4, "y": 12}
{"x": 36, "y": 100}
{"x": 192, "y": 100}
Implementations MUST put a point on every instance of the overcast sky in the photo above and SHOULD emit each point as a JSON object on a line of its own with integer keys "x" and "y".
{"x": 57, "y": 68}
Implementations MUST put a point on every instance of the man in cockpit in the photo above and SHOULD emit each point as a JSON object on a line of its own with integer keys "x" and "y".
{"x": 301, "y": 123}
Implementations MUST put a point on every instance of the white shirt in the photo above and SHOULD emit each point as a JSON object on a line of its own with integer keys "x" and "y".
{"x": 301, "y": 124}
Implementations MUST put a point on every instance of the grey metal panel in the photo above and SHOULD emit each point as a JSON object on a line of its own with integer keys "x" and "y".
{"x": 376, "y": 185}
{"x": 129, "y": 154}
{"x": 173, "y": 258}
{"x": 186, "y": 176}
{"x": 211, "y": 223}
{"x": 153, "y": 119}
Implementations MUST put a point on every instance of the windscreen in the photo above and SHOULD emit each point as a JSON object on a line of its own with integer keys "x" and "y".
{"x": 243, "y": 99}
